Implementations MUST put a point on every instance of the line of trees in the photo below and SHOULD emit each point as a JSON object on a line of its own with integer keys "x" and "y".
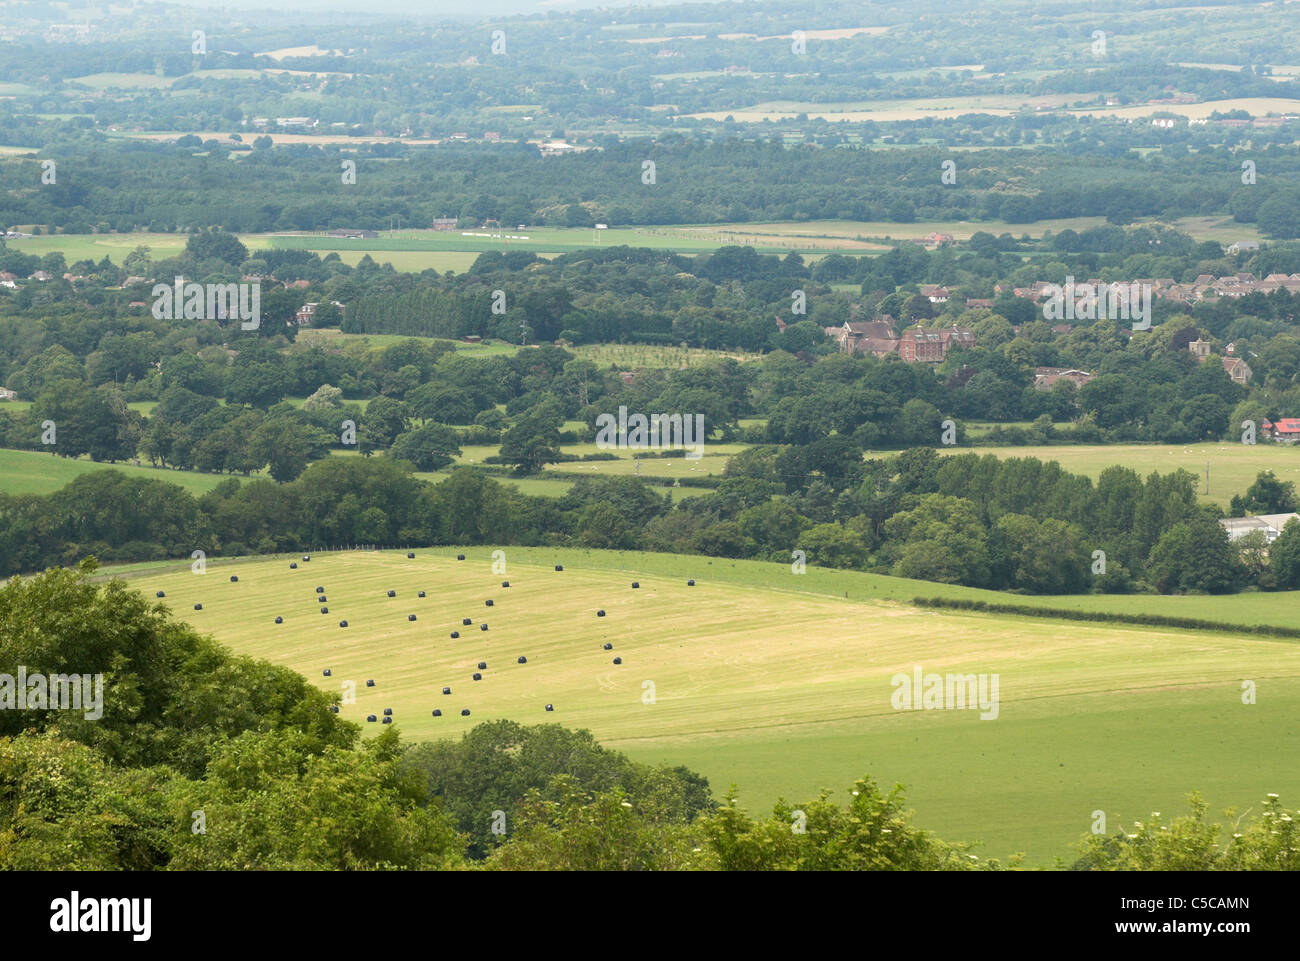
{"x": 1019, "y": 524}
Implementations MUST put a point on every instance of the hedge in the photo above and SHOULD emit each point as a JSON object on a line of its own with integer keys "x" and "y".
{"x": 1144, "y": 620}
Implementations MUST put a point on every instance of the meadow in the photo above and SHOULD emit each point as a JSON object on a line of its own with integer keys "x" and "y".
{"x": 1232, "y": 467}
{"x": 417, "y": 250}
{"x": 846, "y": 236}
{"x": 777, "y": 683}
{"x": 34, "y": 472}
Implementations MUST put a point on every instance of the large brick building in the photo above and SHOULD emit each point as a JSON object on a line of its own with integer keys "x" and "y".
{"x": 915, "y": 345}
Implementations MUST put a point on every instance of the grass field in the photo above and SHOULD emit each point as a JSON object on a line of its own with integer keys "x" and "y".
{"x": 122, "y": 81}
{"x": 32, "y": 472}
{"x": 1233, "y": 467}
{"x": 778, "y": 683}
{"x": 845, "y": 235}
{"x": 647, "y": 356}
{"x": 419, "y": 250}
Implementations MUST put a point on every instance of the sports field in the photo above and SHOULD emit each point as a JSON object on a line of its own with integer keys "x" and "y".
{"x": 777, "y": 682}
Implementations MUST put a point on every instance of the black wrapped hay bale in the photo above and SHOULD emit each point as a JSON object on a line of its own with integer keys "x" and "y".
{"x": 437, "y": 712}
{"x": 482, "y": 665}
{"x": 322, "y": 598}
{"x": 478, "y": 676}
{"x": 446, "y": 690}
{"x": 370, "y": 683}
{"x": 635, "y": 585}
{"x": 691, "y": 582}
{"x": 306, "y": 557}
{"x": 550, "y": 707}
{"x": 388, "y": 720}
{"x": 505, "y": 583}
{"x": 279, "y": 620}
{"x": 388, "y": 711}
{"x": 319, "y": 589}
{"x": 464, "y": 712}
{"x": 618, "y": 660}
{"x": 198, "y": 607}
{"x": 488, "y": 602}
{"x": 392, "y": 593}
{"x": 160, "y": 594}
{"x": 522, "y": 660}
{"x": 343, "y": 623}
{"x": 559, "y": 567}
{"x": 460, "y": 557}
{"x": 371, "y": 718}
{"x": 324, "y": 610}
{"x": 608, "y": 646}
{"x": 421, "y": 594}
{"x": 455, "y": 634}
{"x": 600, "y": 613}
{"x": 410, "y": 617}
{"x": 482, "y": 627}
{"x": 467, "y": 621}
{"x": 293, "y": 566}
{"x": 409, "y": 555}
{"x": 234, "y": 578}
{"x": 327, "y": 673}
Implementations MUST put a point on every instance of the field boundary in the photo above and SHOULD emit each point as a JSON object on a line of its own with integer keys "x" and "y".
{"x": 1139, "y": 620}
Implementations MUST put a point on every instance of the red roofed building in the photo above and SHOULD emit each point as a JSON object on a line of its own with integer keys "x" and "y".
{"x": 1286, "y": 429}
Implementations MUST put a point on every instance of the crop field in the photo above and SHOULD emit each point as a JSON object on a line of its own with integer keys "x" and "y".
{"x": 1255, "y": 106}
{"x": 1233, "y": 467}
{"x": 882, "y": 111}
{"x": 778, "y": 683}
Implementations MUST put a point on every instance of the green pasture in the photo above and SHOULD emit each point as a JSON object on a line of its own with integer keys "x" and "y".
{"x": 776, "y": 682}
{"x": 1233, "y": 467}
{"x": 34, "y": 472}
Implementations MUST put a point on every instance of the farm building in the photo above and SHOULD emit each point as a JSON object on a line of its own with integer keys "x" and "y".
{"x": 1285, "y": 429}
{"x": 1270, "y": 524}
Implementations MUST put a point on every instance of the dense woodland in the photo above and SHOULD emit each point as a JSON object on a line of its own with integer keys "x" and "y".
{"x": 122, "y": 186}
